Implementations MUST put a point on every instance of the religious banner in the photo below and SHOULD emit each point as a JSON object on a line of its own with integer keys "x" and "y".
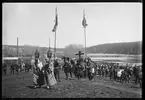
{"x": 56, "y": 22}
{"x": 84, "y": 22}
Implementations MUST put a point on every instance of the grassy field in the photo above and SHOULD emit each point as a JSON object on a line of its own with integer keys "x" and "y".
{"x": 20, "y": 86}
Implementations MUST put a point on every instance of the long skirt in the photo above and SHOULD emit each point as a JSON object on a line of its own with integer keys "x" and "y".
{"x": 51, "y": 79}
{"x": 38, "y": 78}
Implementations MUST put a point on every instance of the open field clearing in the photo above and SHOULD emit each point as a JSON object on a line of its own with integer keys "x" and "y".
{"x": 21, "y": 86}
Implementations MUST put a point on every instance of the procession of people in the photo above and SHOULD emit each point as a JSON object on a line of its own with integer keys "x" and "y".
{"x": 49, "y": 72}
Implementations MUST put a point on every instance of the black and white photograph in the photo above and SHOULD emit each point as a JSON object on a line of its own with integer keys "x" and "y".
{"x": 72, "y": 50}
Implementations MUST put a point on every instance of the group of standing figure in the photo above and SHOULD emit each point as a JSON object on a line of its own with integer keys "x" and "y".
{"x": 88, "y": 69}
{"x": 120, "y": 73}
{"x": 50, "y": 71}
{"x": 43, "y": 73}
{"x": 80, "y": 68}
{"x": 16, "y": 68}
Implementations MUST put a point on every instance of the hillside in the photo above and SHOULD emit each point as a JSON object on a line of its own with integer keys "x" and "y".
{"x": 117, "y": 48}
{"x": 26, "y": 50}
{"x": 112, "y": 48}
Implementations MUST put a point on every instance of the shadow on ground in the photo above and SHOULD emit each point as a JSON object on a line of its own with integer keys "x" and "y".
{"x": 30, "y": 87}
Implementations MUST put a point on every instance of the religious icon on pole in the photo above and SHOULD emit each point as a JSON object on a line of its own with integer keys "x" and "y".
{"x": 49, "y": 53}
{"x": 36, "y": 54}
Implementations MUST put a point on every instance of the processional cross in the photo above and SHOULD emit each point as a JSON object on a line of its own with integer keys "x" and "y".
{"x": 80, "y": 53}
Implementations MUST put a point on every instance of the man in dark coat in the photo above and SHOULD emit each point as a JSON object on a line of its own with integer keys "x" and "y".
{"x": 12, "y": 68}
{"x": 5, "y": 68}
{"x": 87, "y": 67}
{"x": 57, "y": 70}
{"x": 67, "y": 68}
{"x": 136, "y": 73}
{"x": 111, "y": 73}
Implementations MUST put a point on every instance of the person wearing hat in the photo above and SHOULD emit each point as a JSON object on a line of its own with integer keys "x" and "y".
{"x": 57, "y": 70}
{"x": 67, "y": 68}
{"x": 38, "y": 78}
{"x": 48, "y": 71}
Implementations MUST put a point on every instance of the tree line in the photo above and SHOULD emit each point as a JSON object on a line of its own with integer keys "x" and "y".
{"x": 72, "y": 49}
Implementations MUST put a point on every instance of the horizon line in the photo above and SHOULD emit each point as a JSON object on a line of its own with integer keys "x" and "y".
{"x": 68, "y": 44}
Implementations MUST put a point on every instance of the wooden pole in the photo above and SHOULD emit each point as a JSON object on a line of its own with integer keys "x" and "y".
{"x": 85, "y": 40}
{"x": 55, "y": 36}
{"x": 17, "y": 48}
{"x": 85, "y": 49}
{"x": 49, "y": 42}
{"x": 55, "y": 45}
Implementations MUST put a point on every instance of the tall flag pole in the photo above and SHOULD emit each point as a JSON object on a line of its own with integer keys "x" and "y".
{"x": 49, "y": 42}
{"x": 49, "y": 46}
{"x": 84, "y": 23}
{"x": 17, "y": 48}
{"x": 49, "y": 51}
{"x": 54, "y": 30}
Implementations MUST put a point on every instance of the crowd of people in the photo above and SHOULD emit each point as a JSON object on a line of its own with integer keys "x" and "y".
{"x": 80, "y": 68}
{"x": 16, "y": 68}
{"x": 86, "y": 68}
{"x": 115, "y": 71}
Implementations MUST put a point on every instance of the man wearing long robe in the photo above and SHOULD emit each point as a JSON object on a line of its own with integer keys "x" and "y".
{"x": 38, "y": 78}
{"x": 57, "y": 70}
{"x": 48, "y": 71}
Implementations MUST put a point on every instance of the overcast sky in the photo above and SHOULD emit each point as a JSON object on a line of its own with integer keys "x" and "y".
{"x": 107, "y": 23}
